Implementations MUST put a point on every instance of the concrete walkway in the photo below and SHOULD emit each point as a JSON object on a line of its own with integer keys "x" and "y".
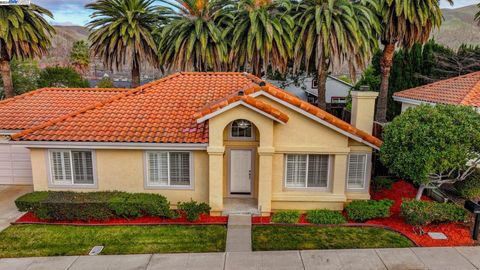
{"x": 239, "y": 233}
{"x": 460, "y": 258}
{"x": 8, "y": 210}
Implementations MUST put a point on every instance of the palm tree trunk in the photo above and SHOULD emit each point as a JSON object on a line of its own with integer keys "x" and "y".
{"x": 6, "y": 78}
{"x": 135, "y": 73}
{"x": 322, "y": 73}
{"x": 385, "y": 66}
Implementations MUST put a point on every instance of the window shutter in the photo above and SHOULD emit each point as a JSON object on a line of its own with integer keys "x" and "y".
{"x": 179, "y": 168}
{"x": 357, "y": 165}
{"x": 82, "y": 167}
{"x": 296, "y": 170}
{"x": 318, "y": 170}
{"x": 158, "y": 168}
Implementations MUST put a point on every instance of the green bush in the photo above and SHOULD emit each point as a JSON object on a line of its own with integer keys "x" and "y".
{"x": 470, "y": 187}
{"x": 368, "y": 209}
{"x": 421, "y": 213}
{"x": 325, "y": 216}
{"x": 93, "y": 205}
{"x": 381, "y": 183}
{"x": 61, "y": 77}
{"x": 286, "y": 216}
{"x": 193, "y": 209}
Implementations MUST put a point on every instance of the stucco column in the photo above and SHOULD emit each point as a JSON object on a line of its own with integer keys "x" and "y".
{"x": 339, "y": 174}
{"x": 215, "y": 174}
{"x": 265, "y": 179}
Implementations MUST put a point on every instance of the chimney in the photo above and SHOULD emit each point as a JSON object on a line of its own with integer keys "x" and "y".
{"x": 363, "y": 109}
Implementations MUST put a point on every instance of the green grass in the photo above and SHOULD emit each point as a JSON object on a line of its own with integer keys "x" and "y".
{"x": 56, "y": 240}
{"x": 312, "y": 237}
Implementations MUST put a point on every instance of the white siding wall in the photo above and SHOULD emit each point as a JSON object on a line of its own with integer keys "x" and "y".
{"x": 15, "y": 165}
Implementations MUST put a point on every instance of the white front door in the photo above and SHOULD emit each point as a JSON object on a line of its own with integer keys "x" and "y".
{"x": 241, "y": 172}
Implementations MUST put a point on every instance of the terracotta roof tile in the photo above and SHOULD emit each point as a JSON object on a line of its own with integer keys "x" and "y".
{"x": 164, "y": 111}
{"x": 32, "y": 108}
{"x": 461, "y": 90}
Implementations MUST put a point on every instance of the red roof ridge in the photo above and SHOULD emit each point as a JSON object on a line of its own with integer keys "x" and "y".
{"x": 96, "y": 105}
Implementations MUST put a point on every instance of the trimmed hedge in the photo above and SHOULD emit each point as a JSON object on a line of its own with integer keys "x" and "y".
{"x": 421, "y": 213}
{"x": 64, "y": 205}
{"x": 193, "y": 209}
{"x": 325, "y": 216}
{"x": 470, "y": 187}
{"x": 363, "y": 210}
{"x": 286, "y": 216}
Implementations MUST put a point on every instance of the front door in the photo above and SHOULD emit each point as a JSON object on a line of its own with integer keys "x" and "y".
{"x": 241, "y": 171}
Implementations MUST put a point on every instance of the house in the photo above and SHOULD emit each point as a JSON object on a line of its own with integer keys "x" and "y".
{"x": 33, "y": 108}
{"x": 208, "y": 137}
{"x": 461, "y": 90}
{"x": 307, "y": 90}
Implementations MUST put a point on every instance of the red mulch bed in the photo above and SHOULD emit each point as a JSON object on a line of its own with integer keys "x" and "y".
{"x": 458, "y": 234}
{"x": 30, "y": 218}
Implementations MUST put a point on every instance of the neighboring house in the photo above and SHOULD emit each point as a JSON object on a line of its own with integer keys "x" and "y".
{"x": 208, "y": 137}
{"x": 31, "y": 109}
{"x": 461, "y": 90}
{"x": 307, "y": 90}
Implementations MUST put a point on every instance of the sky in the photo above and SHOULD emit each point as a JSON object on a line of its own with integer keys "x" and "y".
{"x": 73, "y": 12}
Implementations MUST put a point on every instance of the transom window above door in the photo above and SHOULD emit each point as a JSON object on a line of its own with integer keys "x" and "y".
{"x": 241, "y": 129}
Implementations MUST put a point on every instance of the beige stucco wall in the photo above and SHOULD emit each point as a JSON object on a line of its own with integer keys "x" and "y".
{"x": 123, "y": 170}
{"x": 406, "y": 106}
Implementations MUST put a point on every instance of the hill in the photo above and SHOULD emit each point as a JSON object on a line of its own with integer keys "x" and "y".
{"x": 62, "y": 42}
{"x": 458, "y": 27}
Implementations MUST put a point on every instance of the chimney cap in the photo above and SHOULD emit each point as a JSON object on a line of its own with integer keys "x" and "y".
{"x": 364, "y": 88}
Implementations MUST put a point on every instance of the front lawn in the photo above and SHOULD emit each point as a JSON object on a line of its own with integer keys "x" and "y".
{"x": 270, "y": 237}
{"x": 56, "y": 240}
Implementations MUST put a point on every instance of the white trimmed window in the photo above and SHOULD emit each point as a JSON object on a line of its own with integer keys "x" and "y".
{"x": 169, "y": 169}
{"x": 357, "y": 171}
{"x": 307, "y": 171}
{"x": 71, "y": 167}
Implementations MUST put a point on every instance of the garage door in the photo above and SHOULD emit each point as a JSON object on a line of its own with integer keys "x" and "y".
{"x": 15, "y": 165}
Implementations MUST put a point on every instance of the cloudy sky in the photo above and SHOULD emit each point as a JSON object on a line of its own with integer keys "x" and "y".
{"x": 72, "y": 12}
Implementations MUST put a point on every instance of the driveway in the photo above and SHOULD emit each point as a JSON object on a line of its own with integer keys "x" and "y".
{"x": 8, "y": 210}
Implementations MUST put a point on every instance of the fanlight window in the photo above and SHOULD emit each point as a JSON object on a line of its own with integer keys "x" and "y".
{"x": 241, "y": 129}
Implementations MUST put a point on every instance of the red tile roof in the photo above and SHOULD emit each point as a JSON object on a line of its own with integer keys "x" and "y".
{"x": 164, "y": 111}
{"x": 32, "y": 108}
{"x": 462, "y": 90}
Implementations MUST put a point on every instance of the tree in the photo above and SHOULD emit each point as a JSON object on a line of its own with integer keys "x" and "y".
{"x": 121, "y": 31}
{"x": 79, "y": 56}
{"x": 62, "y": 77}
{"x": 24, "y": 33}
{"x": 333, "y": 30}
{"x": 25, "y": 75}
{"x": 454, "y": 63}
{"x": 105, "y": 82}
{"x": 192, "y": 38}
{"x": 262, "y": 35}
{"x": 477, "y": 16}
{"x": 404, "y": 23}
{"x": 433, "y": 145}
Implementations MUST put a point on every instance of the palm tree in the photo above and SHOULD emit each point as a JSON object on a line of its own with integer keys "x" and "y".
{"x": 24, "y": 33}
{"x": 193, "y": 37}
{"x": 404, "y": 23}
{"x": 333, "y": 31}
{"x": 79, "y": 56}
{"x": 263, "y": 35}
{"x": 121, "y": 31}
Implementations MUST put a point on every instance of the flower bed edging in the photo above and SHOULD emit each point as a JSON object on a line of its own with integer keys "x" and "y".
{"x": 30, "y": 218}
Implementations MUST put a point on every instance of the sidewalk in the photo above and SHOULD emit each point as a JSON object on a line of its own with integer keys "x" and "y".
{"x": 459, "y": 258}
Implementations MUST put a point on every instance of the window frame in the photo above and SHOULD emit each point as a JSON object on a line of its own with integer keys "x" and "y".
{"x": 366, "y": 175}
{"x": 306, "y": 187}
{"x": 149, "y": 185}
{"x": 230, "y": 133}
{"x": 64, "y": 184}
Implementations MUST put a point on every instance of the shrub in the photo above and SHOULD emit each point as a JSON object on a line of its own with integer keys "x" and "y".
{"x": 470, "y": 187}
{"x": 325, "y": 216}
{"x": 61, "y": 77}
{"x": 93, "y": 205}
{"x": 193, "y": 209}
{"x": 421, "y": 213}
{"x": 381, "y": 183}
{"x": 368, "y": 209}
{"x": 286, "y": 216}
